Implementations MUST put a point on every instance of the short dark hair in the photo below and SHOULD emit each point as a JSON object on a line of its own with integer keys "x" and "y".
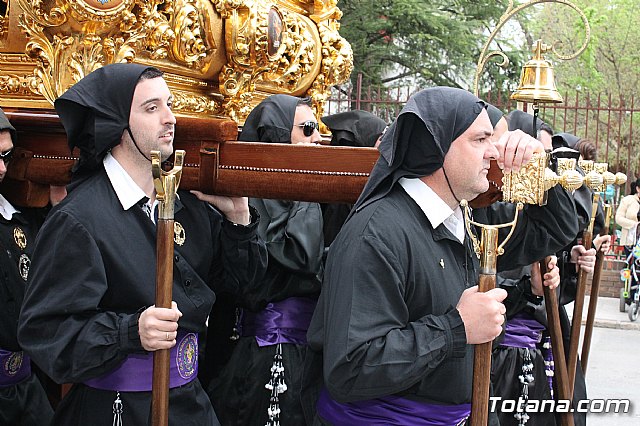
{"x": 149, "y": 73}
{"x": 544, "y": 126}
{"x": 587, "y": 149}
{"x": 304, "y": 101}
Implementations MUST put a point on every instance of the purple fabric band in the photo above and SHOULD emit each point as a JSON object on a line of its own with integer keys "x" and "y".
{"x": 285, "y": 321}
{"x": 135, "y": 374}
{"x": 15, "y": 367}
{"x": 522, "y": 331}
{"x": 390, "y": 410}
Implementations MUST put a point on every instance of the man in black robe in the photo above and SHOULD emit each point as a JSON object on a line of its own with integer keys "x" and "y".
{"x": 22, "y": 397}
{"x": 398, "y": 314}
{"x": 88, "y": 316}
{"x": 355, "y": 128}
{"x": 261, "y": 382}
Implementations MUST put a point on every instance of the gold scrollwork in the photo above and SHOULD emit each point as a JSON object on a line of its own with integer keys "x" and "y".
{"x": 26, "y": 85}
{"x": 189, "y": 103}
{"x": 337, "y": 64}
{"x": 528, "y": 184}
{"x": 190, "y": 46}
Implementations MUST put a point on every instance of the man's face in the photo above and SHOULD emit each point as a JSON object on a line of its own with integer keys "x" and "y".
{"x": 467, "y": 162}
{"x": 151, "y": 120}
{"x": 303, "y": 115}
{"x": 6, "y": 145}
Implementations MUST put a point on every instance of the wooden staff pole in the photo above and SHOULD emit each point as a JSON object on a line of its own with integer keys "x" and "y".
{"x": 578, "y": 304}
{"x": 557, "y": 345}
{"x": 593, "y": 299}
{"x": 482, "y": 352}
{"x": 166, "y": 185}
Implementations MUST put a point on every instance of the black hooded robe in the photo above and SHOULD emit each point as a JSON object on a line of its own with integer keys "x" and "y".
{"x": 386, "y": 322}
{"x": 355, "y": 128}
{"x": 292, "y": 231}
{"x": 94, "y": 263}
{"x": 24, "y": 403}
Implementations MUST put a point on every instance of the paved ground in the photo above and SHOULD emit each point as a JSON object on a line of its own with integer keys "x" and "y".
{"x": 608, "y": 314}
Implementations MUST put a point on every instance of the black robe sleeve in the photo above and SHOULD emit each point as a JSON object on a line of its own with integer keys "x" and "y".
{"x": 62, "y": 326}
{"x": 292, "y": 231}
{"x": 381, "y": 351}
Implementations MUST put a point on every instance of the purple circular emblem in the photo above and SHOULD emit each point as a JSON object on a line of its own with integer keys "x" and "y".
{"x": 13, "y": 363}
{"x": 187, "y": 356}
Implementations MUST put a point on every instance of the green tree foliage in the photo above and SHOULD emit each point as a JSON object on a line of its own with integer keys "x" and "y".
{"x": 610, "y": 64}
{"x": 432, "y": 42}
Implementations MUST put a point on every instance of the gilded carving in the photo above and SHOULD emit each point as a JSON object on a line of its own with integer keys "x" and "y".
{"x": 528, "y": 184}
{"x": 337, "y": 64}
{"x": 18, "y": 85}
{"x": 268, "y": 47}
{"x": 189, "y": 46}
{"x": 188, "y": 103}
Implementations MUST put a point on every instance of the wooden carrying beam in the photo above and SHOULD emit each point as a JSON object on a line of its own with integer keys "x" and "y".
{"x": 214, "y": 163}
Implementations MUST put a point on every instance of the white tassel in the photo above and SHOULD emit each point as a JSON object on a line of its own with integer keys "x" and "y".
{"x": 117, "y": 410}
{"x": 277, "y": 386}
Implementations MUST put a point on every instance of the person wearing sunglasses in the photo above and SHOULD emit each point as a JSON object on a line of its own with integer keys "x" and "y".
{"x": 260, "y": 384}
{"x": 23, "y": 400}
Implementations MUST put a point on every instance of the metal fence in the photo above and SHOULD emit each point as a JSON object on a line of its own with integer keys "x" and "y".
{"x": 606, "y": 120}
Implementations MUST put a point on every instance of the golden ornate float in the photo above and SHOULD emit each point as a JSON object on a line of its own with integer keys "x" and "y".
{"x": 221, "y": 57}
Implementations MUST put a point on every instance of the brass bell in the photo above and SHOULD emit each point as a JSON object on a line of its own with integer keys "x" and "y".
{"x": 537, "y": 82}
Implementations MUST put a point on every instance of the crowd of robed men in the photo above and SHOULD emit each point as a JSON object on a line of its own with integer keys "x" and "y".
{"x": 284, "y": 312}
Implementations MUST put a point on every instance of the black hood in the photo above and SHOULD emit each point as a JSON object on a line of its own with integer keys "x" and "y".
{"x": 354, "y": 128}
{"x": 521, "y": 120}
{"x": 494, "y": 115}
{"x": 95, "y": 111}
{"x": 5, "y": 125}
{"x": 566, "y": 140}
{"x": 271, "y": 120}
{"x": 416, "y": 143}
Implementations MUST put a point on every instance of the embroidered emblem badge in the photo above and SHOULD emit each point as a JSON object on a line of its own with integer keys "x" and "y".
{"x": 20, "y": 238}
{"x": 179, "y": 235}
{"x": 13, "y": 364}
{"x": 23, "y": 266}
{"x": 187, "y": 356}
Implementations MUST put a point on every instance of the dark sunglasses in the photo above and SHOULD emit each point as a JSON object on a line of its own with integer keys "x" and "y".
{"x": 6, "y": 156}
{"x": 308, "y": 127}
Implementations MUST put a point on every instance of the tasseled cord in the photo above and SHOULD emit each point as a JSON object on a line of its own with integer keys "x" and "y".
{"x": 548, "y": 363}
{"x": 526, "y": 379}
{"x": 277, "y": 386}
{"x": 117, "y": 411}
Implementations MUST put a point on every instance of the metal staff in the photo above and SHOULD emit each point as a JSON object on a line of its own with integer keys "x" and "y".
{"x": 166, "y": 185}
{"x": 488, "y": 250}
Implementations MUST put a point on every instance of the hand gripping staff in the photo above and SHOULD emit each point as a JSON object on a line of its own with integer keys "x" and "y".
{"x": 529, "y": 186}
{"x": 166, "y": 185}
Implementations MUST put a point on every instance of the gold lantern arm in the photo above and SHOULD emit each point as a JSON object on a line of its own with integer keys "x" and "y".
{"x": 485, "y": 54}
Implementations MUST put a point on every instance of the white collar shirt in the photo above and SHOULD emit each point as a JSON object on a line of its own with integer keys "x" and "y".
{"x": 436, "y": 210}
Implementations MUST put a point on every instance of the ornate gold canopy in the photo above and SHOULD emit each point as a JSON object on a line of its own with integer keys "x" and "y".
{"x": 220, "y": 57}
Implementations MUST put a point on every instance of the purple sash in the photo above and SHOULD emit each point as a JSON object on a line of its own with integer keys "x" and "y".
{"x": 522, "y": 331}
{"x": 14, "y": 368}
{"x": 286, "y": 321}
{"x": 135, "y": 374}
{"x": 390, "y": 410}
